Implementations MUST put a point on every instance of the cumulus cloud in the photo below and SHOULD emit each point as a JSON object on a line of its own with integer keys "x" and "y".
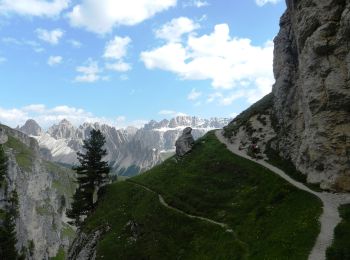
{"x": 54, "y": 60}
{"x": 89, "y": 72}
{"x": 53, "y": 37}
{"x": 229, "y": 62}
{"x": 115, "y": 51}
{"x": 48, "y": 116}
{"x": 101, "y": 16}
{"x": 176, "y": 28}
{"x": 264, "y": 2}
{"x": 194, "y": 94}
{"x": 47, "y": 8}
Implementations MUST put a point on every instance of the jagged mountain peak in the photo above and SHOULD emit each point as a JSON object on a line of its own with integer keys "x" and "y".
{"x": 31, "y": 127}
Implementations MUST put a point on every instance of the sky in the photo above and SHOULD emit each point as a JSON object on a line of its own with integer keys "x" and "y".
{"x": 127, "y": 62}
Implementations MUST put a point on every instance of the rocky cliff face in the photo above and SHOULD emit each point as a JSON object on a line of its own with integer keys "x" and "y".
{"x": 312, "y": 89}
{"x": 307, "y": 116}
{"x": 44, "y": 192}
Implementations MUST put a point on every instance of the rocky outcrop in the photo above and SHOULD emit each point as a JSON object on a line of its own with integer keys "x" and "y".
{"x": 312, "y": 89}
{"x": 84, "y": 246}
{"x": 44, "y": 192}
{"x": 185, "y": 142}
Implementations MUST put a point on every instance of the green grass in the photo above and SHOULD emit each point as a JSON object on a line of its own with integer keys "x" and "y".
{"x": 64, "y": 180}
{"x": 271, "y": 219}
{"x": 340, "y": 249}
{"x": 213, "y": 182}
{"x": 61, "y": 255}
{"x": 24, "y": 156}
{"x": 164, "y": 234}
{"x": 67, "y": 231}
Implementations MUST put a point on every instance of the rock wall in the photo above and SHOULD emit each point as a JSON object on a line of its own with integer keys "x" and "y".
{"x": 44, "y": 192}
{"x": 312, "y": 89}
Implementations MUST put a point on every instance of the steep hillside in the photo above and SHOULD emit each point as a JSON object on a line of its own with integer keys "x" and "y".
{"x": 309, "y": 109}
{"x": 44, "y": 192}
{"x": 252, "y": 212}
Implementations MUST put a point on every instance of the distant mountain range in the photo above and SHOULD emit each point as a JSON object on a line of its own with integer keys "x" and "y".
{"x": 130, "y": 150}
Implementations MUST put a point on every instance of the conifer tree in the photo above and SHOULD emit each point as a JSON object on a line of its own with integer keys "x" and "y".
{"x": 92, "y": 173}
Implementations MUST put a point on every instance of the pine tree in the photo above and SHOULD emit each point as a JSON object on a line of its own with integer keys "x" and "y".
{"x": 92, "y": 173}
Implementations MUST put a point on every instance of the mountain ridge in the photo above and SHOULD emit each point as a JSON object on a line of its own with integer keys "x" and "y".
{"x": 130, "y": 150}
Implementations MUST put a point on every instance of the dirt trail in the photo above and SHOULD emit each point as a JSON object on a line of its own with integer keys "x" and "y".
{"x": 163, "y": 202}
{"x": 330, "y": 217}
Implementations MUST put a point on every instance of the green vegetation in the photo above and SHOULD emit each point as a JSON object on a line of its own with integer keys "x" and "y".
{"x": 8, "y": 238}
{"x": 242, "y": 119}
{"x": 162, "y": 234}
{"x": 67, "y": 231}
{"x": 92, "y": 173}
{"x": 61, "y": 255}
{"x": 340, "y": 249}
{"x": 24, "y": 156}
{"x": 271, "y": 218}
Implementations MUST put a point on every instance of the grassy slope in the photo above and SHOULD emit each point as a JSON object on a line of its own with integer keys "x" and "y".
{"x": 340, "y": 249}
{"x": 273, "y": 218}
{"x": 24, "y": 156}
{"x": 165, "y": 234}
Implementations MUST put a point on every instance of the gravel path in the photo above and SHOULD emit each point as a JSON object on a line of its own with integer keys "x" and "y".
{"x": 163, "y": 202}
{"x": 330, "y": 217}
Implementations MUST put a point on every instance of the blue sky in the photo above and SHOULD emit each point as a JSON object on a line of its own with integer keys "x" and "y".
{"x": 126, "y": 62}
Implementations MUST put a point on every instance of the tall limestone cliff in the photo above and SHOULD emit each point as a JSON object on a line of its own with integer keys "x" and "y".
{"x": 44, "y": 192}
{"x": 310, "y": 108}
{"x": 312, "y": 90}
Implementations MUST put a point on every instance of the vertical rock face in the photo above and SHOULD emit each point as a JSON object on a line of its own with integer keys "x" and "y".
{"x": 44, "y": 192}
{"x": 312, "y": 89}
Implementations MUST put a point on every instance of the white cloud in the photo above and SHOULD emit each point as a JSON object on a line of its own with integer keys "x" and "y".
{"x": 195, "y": 3}
{"x": 228, "y": 62}
{"x": 75, "y": 43}
{"x": 116, "y": 51}
{"x": 38, "y": 108}
{"x": 101, "y": 16}
{"x": 173, "y": 30}
{"x": 33, "y": 7}
{"x": 171, "y": 113}
{"x": 118, "y": 66}
{"x": 117, "y": 48}
{"x": 54, "y": 60}
{"x": 264, "y": 2}
{"x": 88, "y": 72}
{"x": 194, "y": 94}
{"x": 53, "y": 37}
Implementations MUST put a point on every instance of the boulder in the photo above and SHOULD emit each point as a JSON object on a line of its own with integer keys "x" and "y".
{"x": 3, "y": 136}
{"x": 185, "y": 142}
